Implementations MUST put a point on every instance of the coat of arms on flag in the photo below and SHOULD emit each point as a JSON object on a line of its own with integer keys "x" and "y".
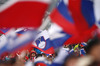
{"x": 41, "y": 42}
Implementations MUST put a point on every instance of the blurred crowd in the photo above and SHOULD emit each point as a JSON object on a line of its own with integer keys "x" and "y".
{"x": 82, "y": 54}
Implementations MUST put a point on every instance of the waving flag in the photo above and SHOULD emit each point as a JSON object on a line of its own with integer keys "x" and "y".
{"x": 62, "y": 17}
{"x": 60, "y": 59}
{"x": 11, "y": 42}
{"x": 83, "y": 44}
{"x": 57, "y": 35}
{"x": 22, "y": 13}
{"x": 98, "y": 24}
{"x": 4, "y": 31}
{"x": 83, "y": 14}
{"x": 1, "y": 32}
{"x": 76, "y": 17}
{"x": 82, "y": 52}
{"x": 4, "y": 40}
{"x": 43, "y": 43}
{"x": 3, "y": 43}
{"x": 54, "y": 38}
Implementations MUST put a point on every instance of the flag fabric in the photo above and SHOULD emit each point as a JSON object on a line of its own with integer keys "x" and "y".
{"x": 83, "y": 14}
{"x": 60, "y": 59}
{"x": 76, "y": 17}
{"x": 43, "y": 43}
{"x": 22, "y": 13}
{"x": 83, "y": 44}
{"x": 1, "y": 32}
{"x": 5, "y": 30}
{"x": 11, "y": 42}
{"x": 52, "y": 38}
{"x": 21, "y": 30}
{"x": 62, "y": 17}
{"x": 57, "y": 35}
{"x": 82, "y": 52}
{"x": 5, "y": 42}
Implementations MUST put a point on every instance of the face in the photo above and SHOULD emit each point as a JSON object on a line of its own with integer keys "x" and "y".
{"x": 77, "y": 51}
{"x": 11, "y": 56}
{"x": 50, "y": 59}
{"x": 33, "y": 54}
{"x": 44, "y": 55}
{"x": 71, "y": 62}
{"x": 54, "y": 55}
{"x": 95, "y": 52}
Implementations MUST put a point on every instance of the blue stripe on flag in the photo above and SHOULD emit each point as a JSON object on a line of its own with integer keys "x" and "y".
{"x": 88, "y": 12}
{"x": 58, "y": 42}
{"x": 62, "y": 8}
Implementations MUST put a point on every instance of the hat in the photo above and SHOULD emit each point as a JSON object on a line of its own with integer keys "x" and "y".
{"x": 40, "y": 64}
{"x": 33, "y": 52}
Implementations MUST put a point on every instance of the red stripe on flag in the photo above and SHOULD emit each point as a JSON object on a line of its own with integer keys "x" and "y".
{"x": 61, "y": 21}
{"x": 49, "y": 51}
{"x": 80, "y": 22}
{"x": 84, "y": 37}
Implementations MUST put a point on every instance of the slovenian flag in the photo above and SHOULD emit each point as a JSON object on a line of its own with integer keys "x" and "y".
{"x": 50, "y": 39}
{"x": 11, "y": 42}
{"x": 43, "y": 43}
{"x": 76, "y": 17}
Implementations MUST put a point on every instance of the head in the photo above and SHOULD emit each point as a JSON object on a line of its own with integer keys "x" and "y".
{"x": 93, "y": 48}
{"x": 54, "y": 55}
{"x": 11, "y": 55}
{"x": 49, "y": 58}
{"x": 44, "y": 55}
{"x": 71, "y": 60}
{"x": 77, "y": 50}
{"x": 33, "y": 54}
{"x": 39, "y": 55}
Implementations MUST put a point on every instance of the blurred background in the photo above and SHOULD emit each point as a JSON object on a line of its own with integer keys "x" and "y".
{"x": 49, "y": 32}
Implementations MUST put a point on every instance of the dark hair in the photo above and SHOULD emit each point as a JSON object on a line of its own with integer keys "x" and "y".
{"x": 39, "y": 55}
{"x": 91, "y": 43}
{"x": 43, "y": 54}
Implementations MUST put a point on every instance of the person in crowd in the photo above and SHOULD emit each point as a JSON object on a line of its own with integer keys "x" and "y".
{"x": 71, "y": 60}
{"x": 50, "y": 59}
{"x": 93, "y": 48}
{"x": 8, "y": 57}
{"x": 92, "y": 57}
{"x": 44, "y": 55}
{"x": 54, "y": 55}
{"x": 10, "y": 62}
{"x": 32, "y": 56}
